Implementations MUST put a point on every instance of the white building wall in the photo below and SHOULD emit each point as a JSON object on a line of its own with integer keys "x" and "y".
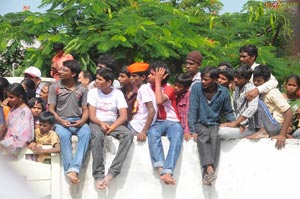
{"x": 247, "y": 169}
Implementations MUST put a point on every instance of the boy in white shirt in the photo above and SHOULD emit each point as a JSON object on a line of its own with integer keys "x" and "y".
{"x": 145, "y": 108}
{"x": 108, "y": 112}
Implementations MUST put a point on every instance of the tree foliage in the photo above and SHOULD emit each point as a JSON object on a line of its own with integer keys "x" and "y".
{"x": 136, "y": 30}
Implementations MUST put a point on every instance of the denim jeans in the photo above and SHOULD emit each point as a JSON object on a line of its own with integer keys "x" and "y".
{"x": 174, "y": 132}
{"x": 70, "y": 163}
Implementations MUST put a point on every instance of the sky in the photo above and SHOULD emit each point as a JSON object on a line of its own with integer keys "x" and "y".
{"x": 18, "y": 5}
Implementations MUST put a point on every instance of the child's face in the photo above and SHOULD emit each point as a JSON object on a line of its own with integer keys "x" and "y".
{"x": 137, "y": 80}
{"x": 258, "y": 81}
{"x": 36, "y": 109}
{"x": 291, "y": 87}
{"x": 44, "y": 93}
{"x": 179, "y": 89}
{"x": 123, "y": 79}
{"x": 240, "y": 81}
{"x": 151, "y": 77}
{"x": 14, "y": 100}
{"x": 223, "y": 80}
{"x": 45, "y": 127}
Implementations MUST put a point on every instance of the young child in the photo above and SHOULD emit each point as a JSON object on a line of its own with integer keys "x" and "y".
{"x": 36, "y": 106}
{"x": 292, "y": 85}
{"x": 244, "y": 125}
{"x": 44, "y": 135}
{"x": 145, "y": 108}
{"x": 275, "y": 102}
{"x": 107, "y": 113}
{"x": 225, "y": 78}
{"x": 167, "y": 124}
{"x": 208, "y": 101}
{"x": 129, "y": 90}
{"x": 181, "y": 89}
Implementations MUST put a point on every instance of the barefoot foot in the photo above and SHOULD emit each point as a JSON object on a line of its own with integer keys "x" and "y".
{"x": 105, "y": 182}
{"x": 73, "y": 176}
{"x": 258, "y": 135}
{"x": 167, "y": 179}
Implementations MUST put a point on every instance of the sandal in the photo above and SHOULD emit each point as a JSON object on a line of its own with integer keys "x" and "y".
{"x": 209, "y": 178}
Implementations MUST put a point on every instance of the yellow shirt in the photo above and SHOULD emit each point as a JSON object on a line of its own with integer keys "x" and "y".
{"x": 49, "y": 138}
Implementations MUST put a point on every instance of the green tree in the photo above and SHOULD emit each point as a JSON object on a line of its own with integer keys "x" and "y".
{"x": 136, "y": 30}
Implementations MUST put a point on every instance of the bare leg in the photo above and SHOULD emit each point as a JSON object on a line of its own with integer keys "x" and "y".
{"x": 167, "y": 179}
{"x": 73, "y": 176}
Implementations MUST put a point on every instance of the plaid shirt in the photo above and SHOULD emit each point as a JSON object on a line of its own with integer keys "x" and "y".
{"x": 182, "y": 103}
{"x": 243, "y": 107}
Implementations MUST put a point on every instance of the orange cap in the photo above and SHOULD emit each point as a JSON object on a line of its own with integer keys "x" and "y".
{"x": 138, "y": 67}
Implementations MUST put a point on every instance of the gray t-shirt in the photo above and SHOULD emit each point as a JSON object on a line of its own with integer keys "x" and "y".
{"x": 68, "y": 103}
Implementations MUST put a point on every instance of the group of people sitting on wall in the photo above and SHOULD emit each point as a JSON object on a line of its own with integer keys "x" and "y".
{"x": 218, "y": 102}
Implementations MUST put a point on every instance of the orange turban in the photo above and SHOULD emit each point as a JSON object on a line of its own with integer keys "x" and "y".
{"x": 138, "y": 67}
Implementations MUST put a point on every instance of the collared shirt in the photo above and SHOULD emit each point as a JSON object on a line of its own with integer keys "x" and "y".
{"x": 206, "y": 112}
{"x": 276, "y": 103}
{"x": 243, "y": 107}
{"x": 182, "y": 108}
{"x": 68, "y": 102}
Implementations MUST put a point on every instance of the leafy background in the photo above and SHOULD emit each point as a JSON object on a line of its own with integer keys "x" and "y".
{"x": 146, "y": 30}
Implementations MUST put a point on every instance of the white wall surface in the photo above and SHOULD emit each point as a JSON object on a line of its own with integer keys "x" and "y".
{"x": 247, "y": 170}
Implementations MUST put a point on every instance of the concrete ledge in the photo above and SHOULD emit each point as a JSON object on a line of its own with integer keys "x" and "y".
{"x": 247, "y": 169}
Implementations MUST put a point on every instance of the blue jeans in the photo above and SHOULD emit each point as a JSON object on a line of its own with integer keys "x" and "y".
{"x": 174, "y": 132}
{"x": 70, "y": 163}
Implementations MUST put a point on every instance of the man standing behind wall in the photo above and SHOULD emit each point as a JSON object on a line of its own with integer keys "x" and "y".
{"x": 248, "y": 55}
{"x": 68, "y": 102}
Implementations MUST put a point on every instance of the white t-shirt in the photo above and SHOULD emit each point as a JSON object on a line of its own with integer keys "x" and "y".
{"x": 145, "y": 94}
{"x": 107, "y": 106}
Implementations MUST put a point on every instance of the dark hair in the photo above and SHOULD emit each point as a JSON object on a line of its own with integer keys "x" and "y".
{"x": 160, "y": 64}
{"x": 29, "y": 83}
{"x": 224, "y": 63}
{"x": 250, "y": 49}
{"x": 88, "y": 74}
{"x": 58, "y": 46}
{"x": 47, "y": 117}
{"x": 37, "y": 100}
{"x": 294, "y": 77}
{"x": 125, "y": 71}
{"x": 184, "y": 79}
{"x": 18, "y": 90}
{"x": 106, "y": 59}
{"x": 211, "y": 70}
{"x": 3, "y": 85}
{"x": 74, "y": 66}
{"x": 262, "y": 71}
{"x": 243, "y": 71}
{"x": 106, "y": 73}
{"x": 228, "y": 73}
{"x": 30, "y": 87}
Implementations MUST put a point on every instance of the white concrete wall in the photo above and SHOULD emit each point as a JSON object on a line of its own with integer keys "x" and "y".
{"x": 247, "y": 169}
